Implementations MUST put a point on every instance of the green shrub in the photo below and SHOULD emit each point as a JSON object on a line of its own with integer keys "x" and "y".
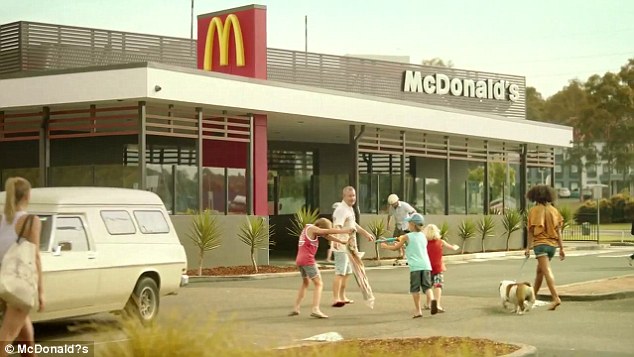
{"x": 302, "y": 217}
{"x": 618, "y": 207}
{"x": 485, "y": 227}
{"x": 206, "y": 234}
{"x": 255, "y": 233}
{"x": 628, "y": 211}
{"x": 466, "y": 231}
{"x": 588, "y": 212}
{"x": 511, "y": 221}
{"x": 377, "y": 228}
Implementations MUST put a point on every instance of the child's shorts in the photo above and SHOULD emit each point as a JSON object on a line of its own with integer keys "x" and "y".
{"x": 309, "y": 271}
{"x": 437, "y": 280}
{"x": 419, "y": 280}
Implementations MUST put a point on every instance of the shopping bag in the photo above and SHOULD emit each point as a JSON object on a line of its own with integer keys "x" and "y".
{"x": 18, "y": 272}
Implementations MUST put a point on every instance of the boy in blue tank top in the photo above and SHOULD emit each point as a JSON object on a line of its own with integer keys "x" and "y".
{"x": 415, "y": 244}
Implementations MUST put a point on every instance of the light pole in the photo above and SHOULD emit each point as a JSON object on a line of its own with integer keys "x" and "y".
{"x": 191, "y": 22}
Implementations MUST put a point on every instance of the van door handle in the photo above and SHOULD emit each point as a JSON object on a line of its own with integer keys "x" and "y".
{"x": 92, "y": 255}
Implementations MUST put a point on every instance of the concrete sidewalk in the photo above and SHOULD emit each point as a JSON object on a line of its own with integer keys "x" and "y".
{"x": 603, "y": 289}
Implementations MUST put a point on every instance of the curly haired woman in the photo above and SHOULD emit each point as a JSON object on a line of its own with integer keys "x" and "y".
{"x": 544, "y": 237}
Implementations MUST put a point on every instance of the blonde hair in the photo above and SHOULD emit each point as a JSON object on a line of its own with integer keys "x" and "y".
{"x": 323, "y": 223}
{"x": 432, "y": 232}
{"x": 16, "y": 189}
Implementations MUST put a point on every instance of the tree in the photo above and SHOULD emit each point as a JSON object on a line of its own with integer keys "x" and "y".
{"x": 534, "y": 104}
{"x": 485, "y": 227}
{"x": 255, "y": 234}
{"x": 377, "y": 228}
{"x": 567, "y": 104}
{"x": 206, "y": 235}
{"x": 610, "y": 118}
{"x": 301, "y": 218}
{"x": 497, "y": 177}
{"x": 437, "y": 62}
{"x": 601, "y": 109}
{"x": 512, "y": 222}
{"x": 466, "y": 230}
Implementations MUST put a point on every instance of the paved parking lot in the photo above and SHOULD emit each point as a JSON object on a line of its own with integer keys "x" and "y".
{"x": 258, "y": 309}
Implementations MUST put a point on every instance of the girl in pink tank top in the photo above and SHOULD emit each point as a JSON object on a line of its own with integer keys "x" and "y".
{"x": 306, "y": 249}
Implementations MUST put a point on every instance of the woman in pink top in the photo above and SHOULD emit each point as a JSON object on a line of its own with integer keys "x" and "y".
{"x": 306, "y": 250}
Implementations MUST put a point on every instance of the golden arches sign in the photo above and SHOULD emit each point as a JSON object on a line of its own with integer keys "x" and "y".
{"x": 222, "y": 31}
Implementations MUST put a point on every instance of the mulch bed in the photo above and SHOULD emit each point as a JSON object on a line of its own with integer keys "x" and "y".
{"x": 419, "y": 346}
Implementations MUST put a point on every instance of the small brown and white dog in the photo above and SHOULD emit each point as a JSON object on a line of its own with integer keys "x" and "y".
{"x": 521, "y": 295}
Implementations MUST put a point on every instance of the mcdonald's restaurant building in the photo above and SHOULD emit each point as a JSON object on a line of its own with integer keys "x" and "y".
{"x": 225, "y": 123}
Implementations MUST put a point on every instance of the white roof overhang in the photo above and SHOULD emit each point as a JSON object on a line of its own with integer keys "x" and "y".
{"x": 198, "y": 88}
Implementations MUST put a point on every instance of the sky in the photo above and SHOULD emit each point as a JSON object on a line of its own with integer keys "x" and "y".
{"x": 548, "y": 42}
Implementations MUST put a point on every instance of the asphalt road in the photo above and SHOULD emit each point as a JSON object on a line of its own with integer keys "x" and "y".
{"x": 257, "y": 309}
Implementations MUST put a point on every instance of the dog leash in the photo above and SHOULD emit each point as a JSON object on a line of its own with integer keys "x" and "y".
{"x": 519, "y": 273}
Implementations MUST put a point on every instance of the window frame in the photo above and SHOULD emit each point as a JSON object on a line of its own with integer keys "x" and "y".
{"x": 134, "y": 213}
{"x": 117, "y": 210}
{"x": 55, "y": 242}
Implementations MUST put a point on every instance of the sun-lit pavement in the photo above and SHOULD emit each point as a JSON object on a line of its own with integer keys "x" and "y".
{"x": 258, "y": 308}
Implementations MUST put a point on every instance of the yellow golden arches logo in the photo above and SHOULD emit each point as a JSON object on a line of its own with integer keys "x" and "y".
{"x": 216, "y": 27}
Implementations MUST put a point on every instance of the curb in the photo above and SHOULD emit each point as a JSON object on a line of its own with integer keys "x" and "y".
{"x": 525, "y": 350}
{"x": 591, "y": 297}
{"x": 387, "y": 265}
{"x": 211, "y": 279}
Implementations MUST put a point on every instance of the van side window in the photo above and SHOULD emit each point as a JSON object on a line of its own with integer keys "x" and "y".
{"x": 118, "y": 222}
{"x": 70, "y": 234}
{"x": 151, "y": 222}
{"x": 45, "y": 235}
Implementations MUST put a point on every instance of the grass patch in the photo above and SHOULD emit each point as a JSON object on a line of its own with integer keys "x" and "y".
{"x": 175, "y": 337}
{"x": 616, "y": 227}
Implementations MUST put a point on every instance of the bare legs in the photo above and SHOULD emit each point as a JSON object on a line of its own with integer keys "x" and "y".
{"x": 319, "y": 286}
{"x": 437, "y": 294}
{"x": 339, "y": 288}
{"x": 417, "y": 308}
{"x": 300, "y": 294}
{"x": 16, "y": 325}
{"x": 544, "y": 271}
{"x": 429, "y": 295}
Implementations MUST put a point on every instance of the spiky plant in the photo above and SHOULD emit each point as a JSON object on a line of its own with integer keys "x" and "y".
{"x": 206, "y": 235}
{"x": 485, "y": 227}
{"x": 512, "y": 222}
{"x": 466, "y": 230}
{"x": 377, "y": 228}
{"x": 302, "y": 217}
{"x": 566, "y": 214}
{"x": 444, "y": 231}
{"x": 255, "y": 234}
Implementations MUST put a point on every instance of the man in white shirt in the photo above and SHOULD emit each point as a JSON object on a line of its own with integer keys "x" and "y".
{"x": 343, "y": 217}
{"x": 399, "y": 210}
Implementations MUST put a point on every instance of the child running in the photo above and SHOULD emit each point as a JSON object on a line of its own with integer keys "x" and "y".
{"x": 419, "y": 265}
{"x": 306, "y": 250}
{"x": 434, "y": 250}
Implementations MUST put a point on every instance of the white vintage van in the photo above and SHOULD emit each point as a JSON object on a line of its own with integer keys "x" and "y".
{"x": 105, "y": 249}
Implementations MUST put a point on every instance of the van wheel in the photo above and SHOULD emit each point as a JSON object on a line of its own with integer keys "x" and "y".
{"x": 144, "y": 301}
